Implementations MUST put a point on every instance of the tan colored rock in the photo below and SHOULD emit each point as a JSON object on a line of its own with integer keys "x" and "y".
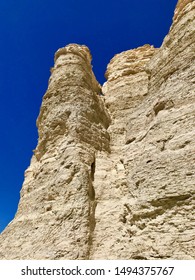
{"x": 55, "y": 217}
{"x": 151, "y": 199}
{"x": 113, "y": 177}
{"x": 182, "y": 7}
{"x": 126, "y": 88}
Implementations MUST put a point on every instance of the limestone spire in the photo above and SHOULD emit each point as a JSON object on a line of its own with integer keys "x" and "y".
{"x": 55, "y": 214}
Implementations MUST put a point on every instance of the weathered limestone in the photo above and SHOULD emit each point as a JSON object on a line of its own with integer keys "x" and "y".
{"x": 55, "y": 218}
{"x": 160, "y": 161}
{"x": 113, "y": 176}
{"x": 125, "y": 89}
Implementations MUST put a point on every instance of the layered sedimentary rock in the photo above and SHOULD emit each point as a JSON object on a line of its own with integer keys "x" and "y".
{"x": 159, "y": 214}
{"x": 55, "y": 217}
{"x": 125, "y": 89}
{"x": 113, "y": 175}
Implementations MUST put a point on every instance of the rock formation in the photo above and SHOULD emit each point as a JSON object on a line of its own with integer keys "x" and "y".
{"x": 55, "y": 217}
{"x": 113, "y": 175}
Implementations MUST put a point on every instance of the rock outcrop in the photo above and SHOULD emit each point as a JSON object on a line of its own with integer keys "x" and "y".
{"x": 55, "y": 217}
{"x": 157, "y": 147}
{"x": 113, "y": 174}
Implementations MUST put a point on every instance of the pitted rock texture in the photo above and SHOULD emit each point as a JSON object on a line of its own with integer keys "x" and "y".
{"x": 182, "y": 7}
{"x": 56, "y": 210}
{"x": 126, "y": 87}
{"x": 113, "y": 174}
{"x": 160, "y": 161}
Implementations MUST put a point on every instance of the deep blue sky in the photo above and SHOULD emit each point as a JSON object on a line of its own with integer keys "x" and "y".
{"x": 31, "y": 31}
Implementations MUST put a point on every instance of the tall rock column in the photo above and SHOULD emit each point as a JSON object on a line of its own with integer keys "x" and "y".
{"x": 55, "y": 217}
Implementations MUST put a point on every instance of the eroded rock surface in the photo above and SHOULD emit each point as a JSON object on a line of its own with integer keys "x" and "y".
{"x": 113, "y": 175}
{"x": 55, "y": 218}
{"x": 160, "y": 163}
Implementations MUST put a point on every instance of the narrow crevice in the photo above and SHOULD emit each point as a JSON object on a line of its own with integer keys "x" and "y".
{"x": 92, "y": 208}
{"x": 92, "y": 222}
{"x": 91, "y": 191}
{"x": 92, "y": 170}
{"x": 170, "y": 201}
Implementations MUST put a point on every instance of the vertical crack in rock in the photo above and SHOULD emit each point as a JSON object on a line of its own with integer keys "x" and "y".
{"x": 92, "y": 207}
{"x": 92, "y": 170}
{"x": 149, "y": 94}
{"x": 126, "y": 87}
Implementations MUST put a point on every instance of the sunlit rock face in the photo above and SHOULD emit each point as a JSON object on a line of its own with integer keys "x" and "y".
{"x": 55, "y": 217}
{"x": 113, "y": 173}
{"x": 125, "y": 89}
{"x": 158, "y": 217}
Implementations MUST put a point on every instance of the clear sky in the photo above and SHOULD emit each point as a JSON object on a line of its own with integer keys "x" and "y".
{"x": 31, "y": 31}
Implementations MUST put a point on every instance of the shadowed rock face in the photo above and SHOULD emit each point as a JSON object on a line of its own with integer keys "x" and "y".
{"x": 113, "y": 176}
